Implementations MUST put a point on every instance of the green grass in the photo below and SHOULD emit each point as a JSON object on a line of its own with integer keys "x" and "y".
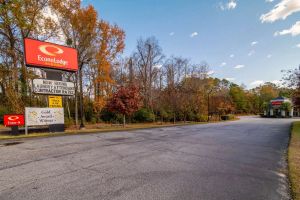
{"x": 102, "y": 128}
{"x": 294, "y": 160}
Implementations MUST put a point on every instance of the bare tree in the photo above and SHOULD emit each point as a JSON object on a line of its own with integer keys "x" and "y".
{"x": 148, "y": 59}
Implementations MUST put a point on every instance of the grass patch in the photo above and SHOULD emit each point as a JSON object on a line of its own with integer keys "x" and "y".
{"x": 294, "y": 160}
{"x": 99, "y": 129}
{"x": 103, "y": 128}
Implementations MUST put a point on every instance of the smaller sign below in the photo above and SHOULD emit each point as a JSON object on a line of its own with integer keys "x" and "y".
{"x": 13, "y": 120}
{"x": 55, "y": 101}
{"x": 44, "y": 116}
{"x": 44, "y": 86}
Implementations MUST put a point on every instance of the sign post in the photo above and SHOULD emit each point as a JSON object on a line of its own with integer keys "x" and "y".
{"x": 53, "y": 59}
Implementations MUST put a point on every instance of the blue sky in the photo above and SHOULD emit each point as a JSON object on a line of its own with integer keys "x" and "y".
{"x": 246, "y": 41}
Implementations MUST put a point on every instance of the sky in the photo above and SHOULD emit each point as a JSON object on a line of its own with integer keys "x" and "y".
{"x": 245, "y": 41}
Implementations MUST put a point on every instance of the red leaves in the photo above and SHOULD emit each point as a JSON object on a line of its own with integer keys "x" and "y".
{"x": 125, "y": 101}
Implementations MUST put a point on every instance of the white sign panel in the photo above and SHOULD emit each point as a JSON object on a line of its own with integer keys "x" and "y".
{"x": 43, "y": 86}
{"x": 43, "y": 116}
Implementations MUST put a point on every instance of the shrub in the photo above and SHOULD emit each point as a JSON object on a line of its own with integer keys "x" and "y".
{"x": 227, "y": 117}
{"x": 144, "y": 115}
{"x": 69, "y": 122}
{"x": 201, "y": 118}
{"x": 108, "y": 116}
{"x": 94, "y": 120}
{"x": 167, "y": 116}
{"x": 3, "y": 111}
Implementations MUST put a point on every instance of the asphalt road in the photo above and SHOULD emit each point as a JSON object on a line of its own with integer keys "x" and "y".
{"x": 234, "y": 160}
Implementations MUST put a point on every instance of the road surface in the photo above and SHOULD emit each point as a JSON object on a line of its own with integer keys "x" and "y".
{"x": 234, "y": 160}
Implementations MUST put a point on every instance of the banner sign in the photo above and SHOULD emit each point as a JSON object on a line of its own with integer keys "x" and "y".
{"x": 55, "y": 101}
{"x": 49, "y": 55}
{"x": 43, "y": 86}
{"x": 276, "y": 103}
{"x": 13, "y": 120}
{"x": 43, "y": 116}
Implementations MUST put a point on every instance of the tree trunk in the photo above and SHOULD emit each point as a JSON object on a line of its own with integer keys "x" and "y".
{"x": 81, "y": 99}
{"x": 174, "y": 117}
{"x": 124, "y": 121}
{"x": 76, "y": 99}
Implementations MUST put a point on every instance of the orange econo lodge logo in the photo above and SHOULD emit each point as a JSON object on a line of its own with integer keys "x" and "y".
{"x": 50, "y": 50}
{"x": 49, "y": 55}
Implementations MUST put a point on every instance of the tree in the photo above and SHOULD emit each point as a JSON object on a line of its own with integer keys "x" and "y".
{"x": 292, "y": 80}
{"x": 110, "y": 41}
{"x": 20, "y": 19}
{"x": 78, "y": 25}
{"x": 125, "y": 101}
{"x": 238, "y": 96}
{"x": 148, "y": 59}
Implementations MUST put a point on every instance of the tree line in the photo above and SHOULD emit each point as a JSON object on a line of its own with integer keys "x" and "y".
{"x": 144, "y": 87}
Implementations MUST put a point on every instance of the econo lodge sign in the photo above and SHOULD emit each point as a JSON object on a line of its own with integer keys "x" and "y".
{"x": 49, "y": 55}
{"x": 13, "y": 120}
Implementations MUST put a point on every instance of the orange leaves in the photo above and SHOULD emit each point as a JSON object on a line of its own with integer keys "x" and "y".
{"x": 110, "y": 43}
{"x": 99, "y": 104}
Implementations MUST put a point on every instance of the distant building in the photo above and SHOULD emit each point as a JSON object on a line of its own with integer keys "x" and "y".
{"x": 279, "y": 107}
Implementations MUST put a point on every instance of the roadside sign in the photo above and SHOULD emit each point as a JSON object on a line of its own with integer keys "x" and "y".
{"x": 43, "y": 116}
{"x": 44, "y": 86}
{"x": 49, "y": 55}
{"x": 55, "y": 101}
{"x": 14, "y": 120}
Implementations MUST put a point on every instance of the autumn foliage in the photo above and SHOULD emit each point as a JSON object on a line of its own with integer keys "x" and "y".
{"x": 142, "y": 84}
{"x": 125, "y": 101}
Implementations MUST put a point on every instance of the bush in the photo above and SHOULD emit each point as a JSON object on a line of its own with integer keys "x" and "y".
{"x": 3, "y": 111}
{"x": 227, "y": 117}
{"x": 201, "y": 118}
{"x": 94, "y": 120}
{"x": 144, "y": 115}
{"x": 167, "y": 116}
{"x": 69, "y": 122}
{"x": 108, "y": 116}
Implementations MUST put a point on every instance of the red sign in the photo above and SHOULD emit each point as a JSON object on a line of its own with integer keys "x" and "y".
{"x": 276, "y": 103}
{"x": 13, "y": 120}
{"x": 49, "y": 55}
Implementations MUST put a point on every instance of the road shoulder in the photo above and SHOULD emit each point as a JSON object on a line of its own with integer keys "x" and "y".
{"x": 294, "y": 160}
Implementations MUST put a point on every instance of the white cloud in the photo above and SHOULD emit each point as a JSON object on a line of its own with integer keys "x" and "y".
{"x": 172, "y": 33}
{"x": 298, "y": 45}
{"x": 158, "y": 66}
{"x": 194, "y": 34}
{"x": 276, "y": 82}
{"x": 269, "y": 1}
{"x": 257, "y": 83}
{"x": 230, "y": 5}
{"x": 210, "y": 72}
{"x": 239, "y": 66}
{"x": 251, "y": 53}
{"x": 294, "y": 30}
{"x": 269, "y": 56}
{"x": 223, "y": 64}
{"x": 231, "y": 56}
{"x": 281, "y": 11}
{"x": 230, "y": 79}
{"x": 254, "y": 43}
